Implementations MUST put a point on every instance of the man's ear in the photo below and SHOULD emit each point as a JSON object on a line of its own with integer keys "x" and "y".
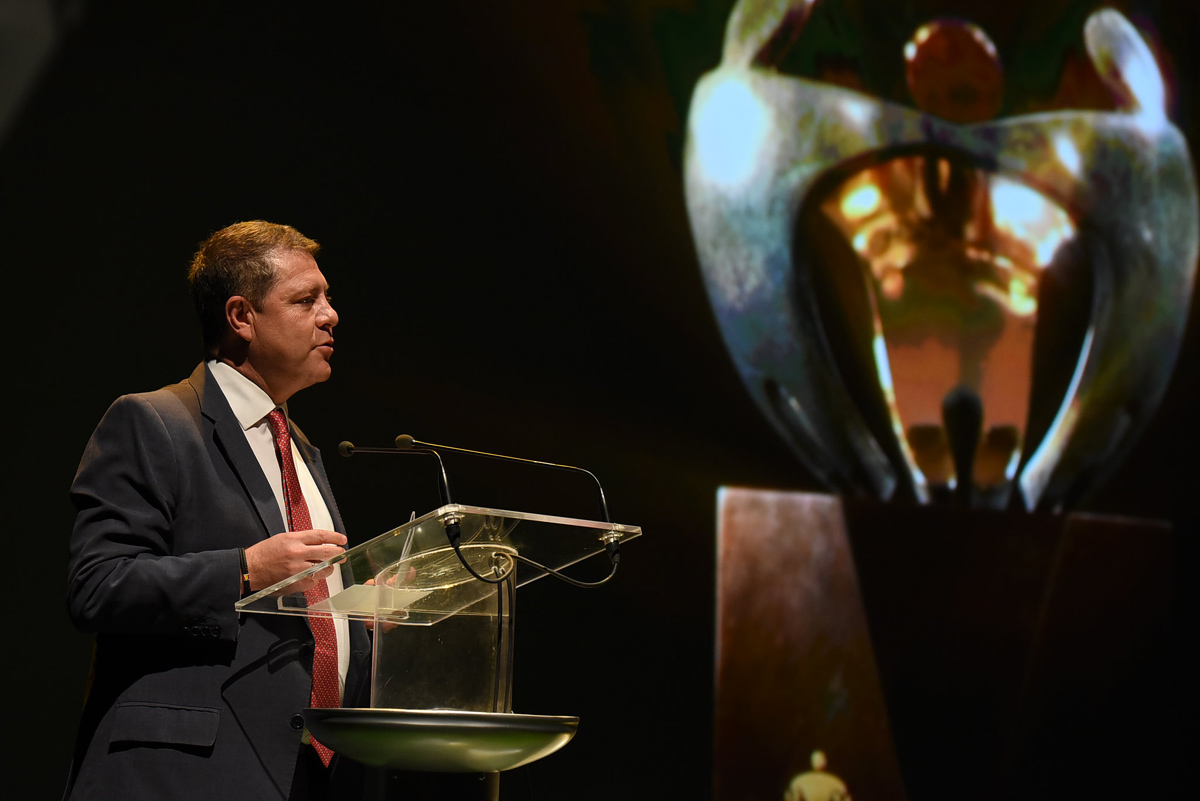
{"x": 239, "y": 314}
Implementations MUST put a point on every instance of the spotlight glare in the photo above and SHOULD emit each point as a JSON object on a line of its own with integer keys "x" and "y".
{"x": 729, "y": 130}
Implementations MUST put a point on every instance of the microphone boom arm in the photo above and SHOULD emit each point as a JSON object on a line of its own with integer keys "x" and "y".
{"x": 405, "y": 442}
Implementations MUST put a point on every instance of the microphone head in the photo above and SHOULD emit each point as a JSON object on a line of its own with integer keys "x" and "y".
{"x": 346, "y": 448}
{"x": 404, "y": 442}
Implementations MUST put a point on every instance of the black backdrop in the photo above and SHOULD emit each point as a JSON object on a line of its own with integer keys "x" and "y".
{"x": 496, "y": 186}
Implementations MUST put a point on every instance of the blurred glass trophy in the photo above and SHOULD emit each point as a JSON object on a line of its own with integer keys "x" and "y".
{"x": 931, "y": 302}
{"x": 959, "y": 307}
{"x": 439, "y": 592}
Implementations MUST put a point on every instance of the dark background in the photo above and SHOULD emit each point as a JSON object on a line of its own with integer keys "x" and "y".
{"x": 497, "y": 189}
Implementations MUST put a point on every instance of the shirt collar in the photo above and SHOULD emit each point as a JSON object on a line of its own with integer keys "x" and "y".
{"x": 249, "y": 401}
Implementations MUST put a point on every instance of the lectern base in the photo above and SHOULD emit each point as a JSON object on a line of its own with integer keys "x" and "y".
{"x": 440, "y": 740}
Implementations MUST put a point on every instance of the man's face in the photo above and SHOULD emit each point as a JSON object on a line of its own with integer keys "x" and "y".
{"x": 291, "y": 338}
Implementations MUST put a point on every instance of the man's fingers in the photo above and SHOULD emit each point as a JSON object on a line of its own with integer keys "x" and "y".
{"x": 322, "y": 537}
{"x": 319, "y": 553}
{"x": 290, "y": 552}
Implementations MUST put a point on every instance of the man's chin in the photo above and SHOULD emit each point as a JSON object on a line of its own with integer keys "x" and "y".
{"x": 319, "y": 375}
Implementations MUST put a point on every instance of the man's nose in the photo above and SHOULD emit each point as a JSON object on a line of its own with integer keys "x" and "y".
{"x": 329, "y": 316}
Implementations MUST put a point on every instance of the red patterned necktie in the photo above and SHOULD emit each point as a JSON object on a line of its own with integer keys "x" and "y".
{"x": 325, "y": 692}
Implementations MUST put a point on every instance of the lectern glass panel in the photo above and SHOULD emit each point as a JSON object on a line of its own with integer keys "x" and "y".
{"x": 439, "y": 586}
{"x": 465, "y": 661}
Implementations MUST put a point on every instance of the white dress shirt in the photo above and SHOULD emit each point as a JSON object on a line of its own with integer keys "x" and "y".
{"x": 251, "y": 405}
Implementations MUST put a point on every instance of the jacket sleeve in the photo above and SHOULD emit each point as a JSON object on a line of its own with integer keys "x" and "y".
{"x": 126, "y": 572}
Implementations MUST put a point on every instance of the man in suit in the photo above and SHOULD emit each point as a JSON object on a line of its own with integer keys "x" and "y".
{"x": 184, "y": 498}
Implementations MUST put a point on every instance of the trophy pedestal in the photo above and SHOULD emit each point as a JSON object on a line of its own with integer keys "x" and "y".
{"x": 932, "y": 652}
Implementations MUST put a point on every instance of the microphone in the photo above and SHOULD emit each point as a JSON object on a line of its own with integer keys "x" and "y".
{"x": 347, "y": 448}
{"x": 612, "y": 543}
{"x": 405, "y": 442}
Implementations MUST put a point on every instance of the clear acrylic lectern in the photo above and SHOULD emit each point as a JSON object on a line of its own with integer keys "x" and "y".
{"x": 441, "y": 686}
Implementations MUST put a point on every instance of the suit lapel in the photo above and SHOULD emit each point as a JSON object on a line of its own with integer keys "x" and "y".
{"x": 227, "y": 434}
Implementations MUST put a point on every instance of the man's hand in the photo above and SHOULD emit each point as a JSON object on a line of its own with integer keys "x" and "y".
{"x": 286, "y": 554}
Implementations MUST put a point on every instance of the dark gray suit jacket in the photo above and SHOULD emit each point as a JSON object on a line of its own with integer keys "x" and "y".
{"x": 187, "y": 701}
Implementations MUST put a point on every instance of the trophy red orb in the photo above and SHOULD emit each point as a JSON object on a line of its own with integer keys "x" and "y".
{"x": 954, "y": 72}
